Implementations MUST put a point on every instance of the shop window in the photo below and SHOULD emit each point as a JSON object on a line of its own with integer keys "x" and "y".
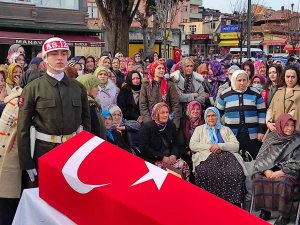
{"x": 273, "y": 49}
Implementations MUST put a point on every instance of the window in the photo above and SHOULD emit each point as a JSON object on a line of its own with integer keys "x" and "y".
{"x": 93, "y": 10}
{"x": 276, "y": 49}
{"x": 70, "y": 4}
{"x": 185, "y": 9}
{"x": 193, "y": 28}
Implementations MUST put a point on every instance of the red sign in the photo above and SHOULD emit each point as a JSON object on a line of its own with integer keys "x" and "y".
{"x": 177, "y": 55}
{"x": 94, "y": 182}
{"x": 198, "y": 36}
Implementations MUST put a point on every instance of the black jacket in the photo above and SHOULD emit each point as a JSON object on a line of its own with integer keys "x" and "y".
{"x": 152, "y": 145}
{"x": 125, "y": 101}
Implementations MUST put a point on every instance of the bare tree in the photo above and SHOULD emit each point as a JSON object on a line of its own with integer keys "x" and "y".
{"x": 149, "y": 33}
{"x": 117, "y": 16}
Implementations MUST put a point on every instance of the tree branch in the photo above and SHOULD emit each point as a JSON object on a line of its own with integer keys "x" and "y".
{"x": 133, "y": 12}
{"x": 104, "y": 13}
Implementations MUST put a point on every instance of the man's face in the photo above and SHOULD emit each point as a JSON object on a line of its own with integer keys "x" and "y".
{"x": 57, "y": 59}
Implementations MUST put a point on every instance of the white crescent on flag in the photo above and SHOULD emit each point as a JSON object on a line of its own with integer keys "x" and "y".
{"x": 70, "y": 169}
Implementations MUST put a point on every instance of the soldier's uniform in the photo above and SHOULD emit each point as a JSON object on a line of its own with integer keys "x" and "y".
{"x": 55, "y": 109}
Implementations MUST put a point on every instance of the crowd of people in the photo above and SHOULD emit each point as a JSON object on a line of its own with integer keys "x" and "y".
{"x": 198, "y": 116}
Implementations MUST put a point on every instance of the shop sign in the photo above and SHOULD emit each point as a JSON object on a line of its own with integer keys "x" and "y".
{"x": 230, "y": 28}
{"x": 233, "y": 35}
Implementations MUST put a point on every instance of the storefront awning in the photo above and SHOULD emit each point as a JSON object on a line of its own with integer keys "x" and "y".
{"x": 229, "y": 43}
{"x": 273, "y": 42}
{"x": 83, "y": 41}
{"x": 38, "y": 39}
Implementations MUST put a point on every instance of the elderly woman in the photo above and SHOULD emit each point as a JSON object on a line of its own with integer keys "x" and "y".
{"x": 226, "y": 85}
{"x": 258, "y": 82}
{"x": 90, "y": 82}
{"x": 244, "y": 110}
{"x": 218, "y": 167}
{"x": 272, "y": 82}
{"x": 188, "y": 83}
{"x": 158, "y": 140}
{"x": 260, "y": 67}
{"x": 128, "y": 98}
{"x": 18, "y": 58}
{"x": 128, "y": 128}
{"x": 108, "y": 91}
{"x": 113, "y": 135}
{"x": 277, "y": 170}
{"x": 286, "y": 98}
{"x": 10, "y": 172}
{"x": 115, "y": 66}
{"x": 188, "y": 124}
{"x": 14, "y": 73}
{"x": 156, "y": 90}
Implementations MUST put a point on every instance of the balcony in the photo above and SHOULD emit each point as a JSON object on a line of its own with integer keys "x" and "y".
{"x": 196, "y": 2}
{"x": 195, "y": 16}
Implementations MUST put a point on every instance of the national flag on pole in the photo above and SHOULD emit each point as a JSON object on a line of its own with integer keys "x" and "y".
{"x": 94, "y": 182}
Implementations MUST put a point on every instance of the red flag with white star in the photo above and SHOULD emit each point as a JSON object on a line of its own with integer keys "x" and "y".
{"x": 94, "y": 182}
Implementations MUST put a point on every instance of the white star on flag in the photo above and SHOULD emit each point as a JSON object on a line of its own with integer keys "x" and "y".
{"x": 155, "y": 173}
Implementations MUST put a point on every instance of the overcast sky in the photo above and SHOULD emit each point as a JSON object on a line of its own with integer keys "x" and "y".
{"x": 225, "y": 5}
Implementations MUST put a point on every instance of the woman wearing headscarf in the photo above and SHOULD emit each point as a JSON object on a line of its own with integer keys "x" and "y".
{"x": 226, "y": 85}
{"x": 115, "y": 66}
{"x": 108, "y": 91}
{"x": 105, "y": 62}
{"x": 260, "y": 68}
{"x": 158, "y": 140}
{"x": 244, "y": 111}
{"x": 277, "y": 170}
{"x": 90, "y": 82}
{"x": 10, "y": 171}
{"x": 157, "y": 89}
{"x": 14, "y": 73}
{"x": 271, "y": 86}
{"x": 216, "y": 78}
{"x": 188, "y": 83}
{"x": 188, "y": 124}
{"x": 129, "y": 65}
{"x": 18, "y": 58}
{"x": 287, "y": 97}
{"x": 89, "y": 65}
{"x": 15, "y": 48}
{"x": 128, "y": 98}
{"x": 138, "y": 59}
{"x": 248, "y": 67}
{"x": 258, "y": 82}
{"x": 218, "y": 167}
{"x": 113, "y": 135}
{"x": 3, "y": 93}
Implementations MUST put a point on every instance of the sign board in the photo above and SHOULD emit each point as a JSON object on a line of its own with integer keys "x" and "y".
{"x": 230, "y": 28}
{"x": 233, "y": 35}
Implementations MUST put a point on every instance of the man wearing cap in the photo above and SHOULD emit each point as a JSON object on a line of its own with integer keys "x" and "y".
{"x": 53, "y": 108}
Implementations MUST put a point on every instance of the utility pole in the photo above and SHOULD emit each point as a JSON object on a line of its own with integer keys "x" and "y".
{"x": 249, "y": 28}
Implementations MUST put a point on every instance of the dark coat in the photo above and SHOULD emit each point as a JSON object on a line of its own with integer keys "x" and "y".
{"x": 125, "y": 101}
{"x": 151, "y": 141}
{"x": 97, "y": 123}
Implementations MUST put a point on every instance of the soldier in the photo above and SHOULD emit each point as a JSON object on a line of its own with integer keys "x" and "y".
{"x": 52, "y": 108}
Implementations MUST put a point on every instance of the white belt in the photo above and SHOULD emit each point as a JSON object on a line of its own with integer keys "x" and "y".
{"x": 58, "y": 139}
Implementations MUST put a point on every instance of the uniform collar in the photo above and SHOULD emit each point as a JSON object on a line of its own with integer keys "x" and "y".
{"x": 53, "y": 81}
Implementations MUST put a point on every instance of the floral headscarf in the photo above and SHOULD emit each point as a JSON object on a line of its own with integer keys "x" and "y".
{"x": 191, "y": 125}
{"x": 219, "y": 76}
{"x": 214, "y": 133}
{"x": 156, "y": 109}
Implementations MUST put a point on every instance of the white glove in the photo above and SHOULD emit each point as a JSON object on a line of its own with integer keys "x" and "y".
{"x": 32, "y": 173}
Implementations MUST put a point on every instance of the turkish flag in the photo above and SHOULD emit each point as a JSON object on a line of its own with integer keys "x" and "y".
{"x": 94, "y": 182}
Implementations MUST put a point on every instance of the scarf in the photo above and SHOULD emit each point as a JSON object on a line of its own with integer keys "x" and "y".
{"x": 163, "y": 82}
{"x": 233, "y": 80}
{"x": 276, "y": 144}
{"x": 214, "y": 132}
{"x": 189, "y": 124}
{"x": 219, "y": 77}
{"x": 188, "y": 84}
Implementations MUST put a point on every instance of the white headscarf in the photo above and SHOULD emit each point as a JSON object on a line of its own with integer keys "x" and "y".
{"x": 234, "y": 77}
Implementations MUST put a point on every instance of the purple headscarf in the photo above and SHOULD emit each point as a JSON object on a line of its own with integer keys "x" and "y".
{"x": 219, "y": 77}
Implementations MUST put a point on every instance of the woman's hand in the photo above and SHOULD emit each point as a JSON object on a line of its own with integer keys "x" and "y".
{"x": 120, "y": 128}
{"x": 271, "y": 126}
{"x": 173, "y": 159}
{"x": 277, "y": 174}
{"x": 196, "y": 95}
{"x": 260, "y": 136}
{"x": 268, "y": 173}
{"x": 215, "y": 149}
{"x": 17, "y": 80}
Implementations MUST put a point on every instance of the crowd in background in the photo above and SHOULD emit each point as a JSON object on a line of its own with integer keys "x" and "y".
{"x": 199, "y": 116}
